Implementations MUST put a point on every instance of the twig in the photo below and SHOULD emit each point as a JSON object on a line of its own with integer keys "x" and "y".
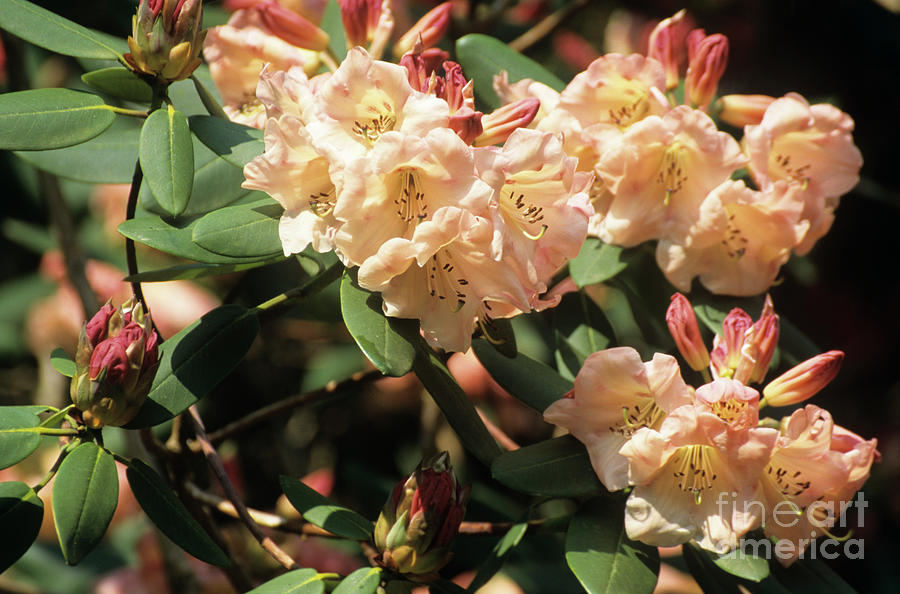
{"x": 496, "y": 432}
{"x": 545, "y": 26}
{"x": 275, "y": 409}
{"x": 215, "y": 463}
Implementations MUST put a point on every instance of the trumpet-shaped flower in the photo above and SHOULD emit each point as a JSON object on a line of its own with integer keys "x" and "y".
{"x": 739, "y": 241}
{"x": 447, "y": 277}
{"x": 542, "y": 203}
{"x": 616, "y": 394}
{"x": 401, "y": 183}
{"x": 810, "y": 146}
{"x": 659, "y": 174}
{"x": 702, "y": 455}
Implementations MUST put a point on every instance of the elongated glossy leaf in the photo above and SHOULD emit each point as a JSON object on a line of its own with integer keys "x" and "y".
{"x": 500, "y": 334}
{"x": 530, "y": 381}
{"x": 602, "y": 556}
{"x": 555, "y": 467}
{"x": 209, "y": 100}
{"x": 299, "y": 581}
{"x": 85, "y": 495}
{"x": 165, "y": 510}
{"x": 810, "y": 576}
{"x": 175, "y": 240}
{"x": 167, "y": 158}
{"x": 334, "y": 26}
{"x": 711, "y": 579}
{"x": 456, "y": 406}
{"x": 743, "y": 564}
{"x": 21, "y": 513}
{"x": 597, "y": 262}
{"x": 387, "y": 342}
{"x": 195, "y": 360}
{"x": 185, "y": 271}
{"x": 235, "y": 143}
{"x": 362, "y": 581}
{"x": 482, "y": 56}
{"x": 105, "y": 159}
{"x": 494, "y": 562}
{"x": 572, "y": 351}
{"x": 244, "y": 231}
{"x": 321, "y": 511}
{"x": 119, "y": 82}
{"x": 62, "y": 363}
{"x": 18, "y": 436}
{"x": 41, "y": 119}
{"x": 55, "y": 33}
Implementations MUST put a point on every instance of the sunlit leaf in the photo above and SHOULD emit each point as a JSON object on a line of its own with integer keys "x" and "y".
{"x": 119, "y": 82}
{"x": 185, "y": 271}
{"x": 21, "y": 513}
{"x": 235, "y": 143}
{"x": 743, "y": 564}
{"x": 195, "y": 360}
{"x": 168, "y": 513}
{"x": 40, "y": 119}
{"x": 62, "y": 363}
{"x": 324, "y": 513}
{"x": 18, "y": 436}
{"x": 85, "y": 494}
{"x": 532, "y": 382}
{"x": 167, "y": 159}
{"x": 55, "y": 33}
{"x": 105, "y": 159}
{"x": 362, "y": 581}
{"x": 334, "y": 26}
{"x": 494, "y": 561}
{"x": 597, "y": 262}
{"x": 554, "y": 467}
{"x": 387, "y": 342}
{"x": 299, "y": 581}
{"x": 602, "y": 556}
{"x": 244, "y": 231}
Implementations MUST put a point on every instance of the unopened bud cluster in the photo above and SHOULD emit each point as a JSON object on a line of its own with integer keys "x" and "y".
{"x": 166, "y": 39}
{"x": 117, "y": 358}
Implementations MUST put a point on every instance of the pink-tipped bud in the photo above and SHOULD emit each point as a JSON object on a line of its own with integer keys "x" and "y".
{"x": 456, "y": 88}
{"x": 666, "y": 46}
{"x": 743, "y": 110}
{"x": 430, "y": 28}
{"x": 726, "y": 353}
{"x": 166, "y": 39}
{"x": 707, "y": 65}
{"x": 360, "y": 18}
{"x": 466, "y": 122}
{"x": 291, "y": 27}
{"x": 804, "y": 380}
{"x": 682, "y": 323}
{"x": 503, "y": 121}
{"x": 760, "y": 342}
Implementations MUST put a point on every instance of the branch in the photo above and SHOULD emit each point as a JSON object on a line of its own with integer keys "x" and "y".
{"x": 544, "y": 27}
{"x": 215, "y": 463}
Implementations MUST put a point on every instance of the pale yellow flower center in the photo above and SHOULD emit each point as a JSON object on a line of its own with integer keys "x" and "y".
{"x": 783, "y": 164}
{"x": 444, "y": 281}
{"x": 735, "y": 242}
{"x": 410, "y": 200}
{"x": 693, "y": 470}
{"x": 322, "y": 203}
{"x": 643, "y": 414}
{"x": 729, "y": 410}
{"x": 790, "y": 484}
{"x": 524, "y": 214}
{"x": 631, "y": 100}
{"x": 673, "y": 170}
{"x": 375, "y": 116}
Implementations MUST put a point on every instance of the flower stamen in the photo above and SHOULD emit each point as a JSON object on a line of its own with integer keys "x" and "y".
{"x": 694, "y": 472}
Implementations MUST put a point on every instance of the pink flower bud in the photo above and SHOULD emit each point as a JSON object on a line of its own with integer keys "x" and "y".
{"x": 726, "y": 353}
{"x": 804, "y": 380}
{"x": 743, "y": 110}
{"x": 96, "y": 328}
{"x": 682, "y": 323}
{"x": 707, "y": 65}
{"x": 665, "y": 46}
{"x": 291, "y": 27}
{"x": 760, "y": 342}
{"x": 360, "y": 18}
{"x": 456, "y": 87}
{"x": 467, "y": 124}
{"x": 503, "y": 121}
{"x": 109, "y": 358}
{"x": 430, "y": 28}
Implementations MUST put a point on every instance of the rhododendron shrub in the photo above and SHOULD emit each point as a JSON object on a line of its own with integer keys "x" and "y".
{"x": 404, "y": 250}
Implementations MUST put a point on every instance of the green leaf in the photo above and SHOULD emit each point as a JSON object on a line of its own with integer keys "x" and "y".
{"x": 494, "y": 562}
{"x": 810, "y": 576}
{"x": 482, "y": 57}
{"x": 334, "y": 26}
{"x": 387, "y": 342}
{"x": 85, "y": 494}
{"x": 362, "y": 581}
{"x": 742, "y": 564}
{"x": 558, "y": 467}
{"x": 711, "y": 579}
{"x": 532, "y": 382}
{"x": 597, "y": 262}
{"x": 244, "y": 231}
{"x": 167, "y": 158}
{"x": 105, "y": 159}
{"x": 456, "y": 406}
{"x": 500, "y": 334}
{"x": 40, "y": 119}
{"x": 175, "y": 240}
{"x": 321, "y": 511}
{"x": 55, "y": 33}
{"x": 299, "y": 581}
{"x": 602, "y": 556}
{"x": 119, "y": 82}
{"x": 572, "y": 351}
{"x": 168, "y": 513}
{"x": 235, "y": 143}
{"x": 186, "y": 271}
{"x": 21, "y": 513}
{"x": 61, "y": 362}
{"x": 18, "y": 437}
{"x": 195, "y": 360}
{"x": 209, "y": 100}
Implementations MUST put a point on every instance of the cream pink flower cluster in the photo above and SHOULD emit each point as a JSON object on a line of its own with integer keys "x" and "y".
{"x": 665, "y": 171}
{"x": 376, "y": 162}
{"x": 701, "y": 463}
